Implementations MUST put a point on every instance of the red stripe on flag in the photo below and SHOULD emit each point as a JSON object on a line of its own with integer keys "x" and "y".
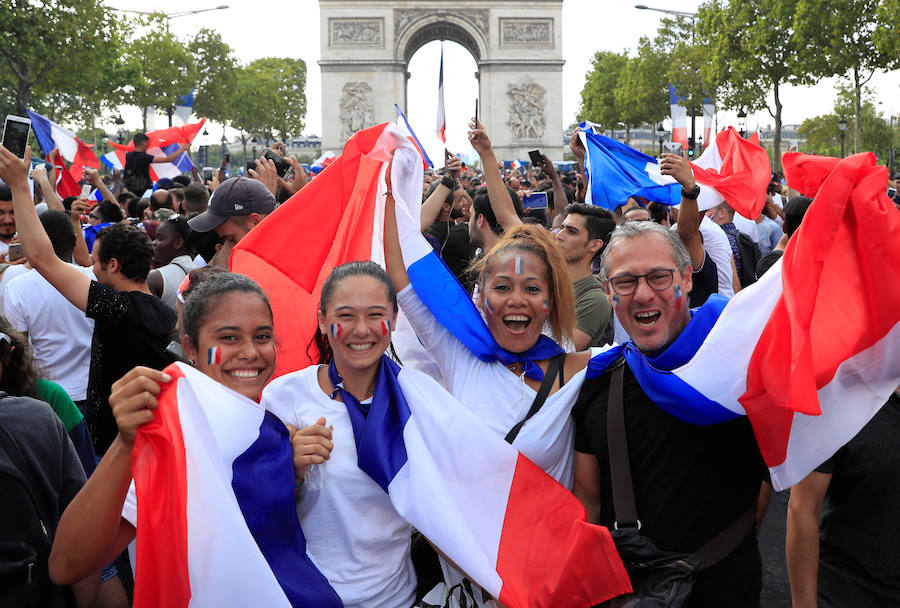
{"x": 744, "y": 175}
{"x": 160, "y": 479}
{"x": 806, "y": 172}
{"x": 549, "y": 555}
{"x": 291, "y": 253}
{"x": 838, "y": 298}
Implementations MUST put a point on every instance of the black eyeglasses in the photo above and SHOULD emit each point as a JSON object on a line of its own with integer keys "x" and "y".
{"x": 96, "y": 217}
{"x": 658, "y": 280}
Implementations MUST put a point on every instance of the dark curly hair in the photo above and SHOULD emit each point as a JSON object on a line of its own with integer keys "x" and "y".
{"x": 203, "y": 295}
{"x": 130, "y": 246}
{"x": 19, "y": 377}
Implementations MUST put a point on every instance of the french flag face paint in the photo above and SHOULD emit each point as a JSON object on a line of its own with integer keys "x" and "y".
{"x": 487, "y": 306}
{"x": 545, "y": 307}
{"x": 615, "y": 299}
{"x": 385, "y": 327}
{"x": 678, "y": 300}
{"x": 519, "y": 265}
{"x": 214, "y": 356}
{"x": 336, "y": 330}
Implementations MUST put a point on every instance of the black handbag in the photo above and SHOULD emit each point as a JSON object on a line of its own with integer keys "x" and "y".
{"x": 659, "y": 579}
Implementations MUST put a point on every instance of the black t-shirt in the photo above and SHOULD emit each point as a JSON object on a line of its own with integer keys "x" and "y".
{"x": 767, "y": 261}
{"x": 860, "y": 525}
{"x": 131, "y": 328}
{"x": 137, "y": 169}
{"x": 705, "y": 282}
{"x": 455, "y": 250}
{"x": 690, "y": 483}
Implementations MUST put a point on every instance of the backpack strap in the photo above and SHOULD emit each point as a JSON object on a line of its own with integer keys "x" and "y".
{"x": 552, "y": 370}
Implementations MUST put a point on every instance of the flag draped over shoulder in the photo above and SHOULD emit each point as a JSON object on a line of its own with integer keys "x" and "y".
{"x": 216, "y": 516}
{"x": 812, "y": 350}
{"x": 513, "y": 529}
{"x": 732, "y": 168}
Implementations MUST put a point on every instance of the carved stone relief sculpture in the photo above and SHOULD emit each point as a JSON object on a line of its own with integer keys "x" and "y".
{"x": 527, "y": 102}
{"x": 357, "y": 32}
{"x": 357, "y": 110}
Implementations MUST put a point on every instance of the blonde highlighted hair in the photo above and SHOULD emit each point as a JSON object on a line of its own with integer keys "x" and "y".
{"x": 539, "y": 241}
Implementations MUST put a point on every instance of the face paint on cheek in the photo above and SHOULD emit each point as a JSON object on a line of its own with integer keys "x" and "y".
{"x": 545, "y": 307}
{"x": 519, "y": 266}
{"x": 214, "y": 356}
{"x": 487, "y": 306}
{"x": 678, "y": 300}
{"x": 615, "y": 300}
{"x": 385, "y": 327}
{"x": 336, "y": 330}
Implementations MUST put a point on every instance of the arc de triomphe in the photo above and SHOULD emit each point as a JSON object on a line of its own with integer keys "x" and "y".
{"x": 367, "y": 45}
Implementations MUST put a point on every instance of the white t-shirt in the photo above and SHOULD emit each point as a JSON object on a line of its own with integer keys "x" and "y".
{"x": 499, "y": 397}
{"x": 716, "y": 244}
{"x": 11, "y": 272}
{"x": 353, "y": 533}
{"x": 60, "y": 333}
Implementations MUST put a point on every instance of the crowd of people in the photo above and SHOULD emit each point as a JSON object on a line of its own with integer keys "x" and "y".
{"x": 98, "y": 297}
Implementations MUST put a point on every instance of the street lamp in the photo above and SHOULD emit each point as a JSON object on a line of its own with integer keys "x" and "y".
{"x": 742, "y": 122}
{"x": 842, "y": 127}
{"x": 660, "y": 136}
{"x": 686, "y": 14}
{"x": 175, "y": 15}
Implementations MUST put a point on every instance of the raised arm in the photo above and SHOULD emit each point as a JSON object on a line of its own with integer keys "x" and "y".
{"x": 393, "y": 255}
{"x": 172, "y": 156}
{"x": 688, "y": 216}
{"x": 560, "y": 200}
{"x": 802, "y": 538}
{"x": 578, "y": 150}
{"x": 501, "y": 203}
{"x": 40, "y": 177}
{"x": 92, "y": 176}
{"x": 81, "y": 254}
{"x": 36, "y": 244}
{"x": 431, "y": 208}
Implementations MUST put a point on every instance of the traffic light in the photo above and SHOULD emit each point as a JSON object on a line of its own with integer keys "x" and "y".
{"x": 690, "y": 147}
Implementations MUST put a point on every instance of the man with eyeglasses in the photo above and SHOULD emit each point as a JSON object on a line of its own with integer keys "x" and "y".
{"x": 102, "y": 215}
{"x": 690, "y": 482}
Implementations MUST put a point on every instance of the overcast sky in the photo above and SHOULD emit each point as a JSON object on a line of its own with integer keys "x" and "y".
{"x": 290, "y": 28}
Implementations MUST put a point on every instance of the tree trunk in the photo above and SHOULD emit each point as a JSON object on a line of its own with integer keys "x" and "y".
{"x": 857, "y": 103}
{"x": 627, "y": 135}
{"x": 23, "y": 93}
{"x": 776, "y": 146}
{"x": 144, "y": 118}
{"x": 244, "y": 146}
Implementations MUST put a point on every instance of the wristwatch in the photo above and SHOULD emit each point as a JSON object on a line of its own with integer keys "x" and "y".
{"x": 449, "y": 181}
{"x": 691, "y": 194}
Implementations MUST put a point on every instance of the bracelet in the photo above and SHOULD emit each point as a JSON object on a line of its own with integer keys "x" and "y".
{"x": 299, "y": 484}
{"x": 448, "y": 181}
{"x": 388, "y": 193}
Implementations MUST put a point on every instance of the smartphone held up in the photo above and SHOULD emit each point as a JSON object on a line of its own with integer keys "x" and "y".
{"x": 15, "y": 134}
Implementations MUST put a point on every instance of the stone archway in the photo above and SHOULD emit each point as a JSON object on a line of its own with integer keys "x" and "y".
{"x": 367, "y": 45}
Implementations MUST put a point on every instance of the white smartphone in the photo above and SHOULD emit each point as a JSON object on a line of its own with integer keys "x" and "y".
{"x": 15, "y": 134}
{"x": 85, "y": 191}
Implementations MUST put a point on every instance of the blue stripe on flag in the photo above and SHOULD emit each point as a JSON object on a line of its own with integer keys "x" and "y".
{"x": 617, "y": 172}
{"x": 451, "y": 304}
{"x": 183, "y": 162}
{"x": 674, "y": 97}
{"x": 380, "y": 449}
{"x": 419, "y": 145}
{"x": 270, "y": 512}
{"x": 656, "y": 378}
{"x": 42, "y": 131}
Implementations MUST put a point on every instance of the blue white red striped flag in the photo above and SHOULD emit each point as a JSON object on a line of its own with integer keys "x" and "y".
{"x": 441, "y": 117}
{"x": 182, "y": 164}
{"x": 809, "y": 352}
{"x": 51, "y": 135}
{"x": 216, "y": 517}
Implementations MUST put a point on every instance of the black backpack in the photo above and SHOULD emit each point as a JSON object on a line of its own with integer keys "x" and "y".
{"x": 750, "y": 256}
{"x": 25, "y": 537}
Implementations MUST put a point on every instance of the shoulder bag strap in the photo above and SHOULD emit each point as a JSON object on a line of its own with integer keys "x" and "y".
{"x": 617, "y": 443}
{"x": 728, "y": 539}
{"x": 543, "y": 391}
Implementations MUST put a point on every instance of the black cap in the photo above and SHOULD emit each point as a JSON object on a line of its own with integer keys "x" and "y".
{"x": 237, "y": 196}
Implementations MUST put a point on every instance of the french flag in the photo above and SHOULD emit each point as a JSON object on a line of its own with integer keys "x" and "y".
{"x": 811, "y": 351}
{"x": 441, "y": 118}
{"x": 323, "y": 161}
{"x": 516, "y": 164}
{"x": 182, "y": 164}
{"x": 679, "y": 117}
{"x": 732, "y": 168}
{"x": 51, "y": 135}
{"x": 519, "y": 534}
{"x": 216, "y": 517}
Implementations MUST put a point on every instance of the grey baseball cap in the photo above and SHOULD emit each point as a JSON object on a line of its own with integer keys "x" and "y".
{"x": 237, "y": 196}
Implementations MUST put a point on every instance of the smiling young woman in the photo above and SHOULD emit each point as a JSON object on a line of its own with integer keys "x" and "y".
{"x": 523, "y": 283}
{"x": 227, "y": 333}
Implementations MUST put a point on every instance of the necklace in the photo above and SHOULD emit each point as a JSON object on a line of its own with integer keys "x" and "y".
{"x": 514, "y": 368}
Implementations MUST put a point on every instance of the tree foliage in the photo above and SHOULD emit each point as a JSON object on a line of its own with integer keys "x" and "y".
{"x": 271, "y": 97}
{"x": 842, "y": 40}
{"x": 642, "y": 94}
{"x": 216, "y": 75}
{"x": 754, "y": 50}
{"x": 598, "y": 97}
{"x": 53, "y": 45}
{"x": 823, "y": 135}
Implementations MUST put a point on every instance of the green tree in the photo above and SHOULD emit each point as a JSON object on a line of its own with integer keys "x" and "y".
{"x": 216, "y": 76}
{"x": 840, "y": 38}
{"x": 641, "y": 96}
{"x": 598, "y": 97}
{"x": 164, "y": 65}
{"x": 823, "y": 135}
{"x": 753, "y": 51}
{"x": 54, "y": 45}
{"x": 271, "y": 98}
